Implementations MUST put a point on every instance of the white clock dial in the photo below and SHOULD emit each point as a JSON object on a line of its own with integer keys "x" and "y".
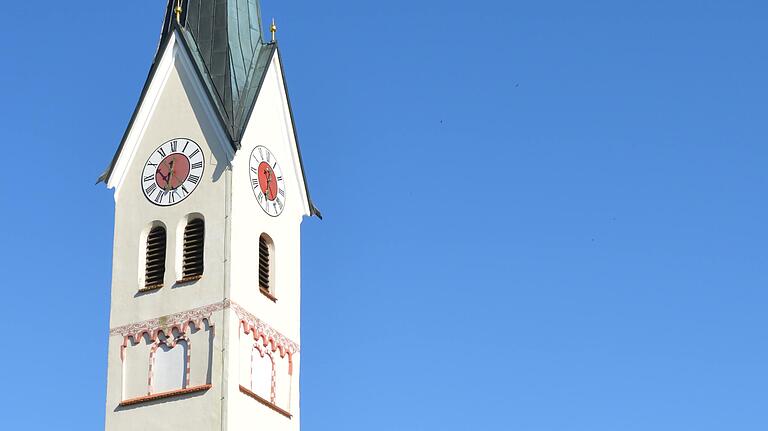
{"x": 172, "y": 172}
{"x": 267, "y": 181}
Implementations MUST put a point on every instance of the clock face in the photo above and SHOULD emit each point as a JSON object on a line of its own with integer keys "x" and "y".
{"x": 267, "y": 181}
{"x": 172, "y": 172}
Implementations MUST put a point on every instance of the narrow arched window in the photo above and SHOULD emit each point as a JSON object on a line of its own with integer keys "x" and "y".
{"x": 154, "y": 272}
{"x": 194, "y": 242}
{"x": 266, "y": 284}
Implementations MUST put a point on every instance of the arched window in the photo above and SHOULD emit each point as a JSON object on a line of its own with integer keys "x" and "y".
{"x": 266, "y": 248}
{"x": 154, "y": 272}
{"x": 194, "y": 242}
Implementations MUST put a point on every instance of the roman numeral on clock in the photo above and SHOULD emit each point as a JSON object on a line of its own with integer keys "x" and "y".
{"x": 255, "y": 182}
{"x": 149, "y": 178}
{"x": 161, "y": 152}
{"x": 194, "y": 153}
{"x": 174, "y": 146}
{"x": 151, "y": 189}
{"x": 197, "y": 165}
{"x": 194, "y": 179}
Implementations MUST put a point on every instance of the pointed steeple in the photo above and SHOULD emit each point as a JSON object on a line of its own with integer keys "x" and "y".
{"x": 225, "y": 38}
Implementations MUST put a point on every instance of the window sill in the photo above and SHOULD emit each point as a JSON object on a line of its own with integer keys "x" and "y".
{"x": 162, "y": 395}
{"x": 190, "y": 279}
{"x": 151, "y": 288}
{"x": 269, "y": 404}
{"x": 266, "y": 293}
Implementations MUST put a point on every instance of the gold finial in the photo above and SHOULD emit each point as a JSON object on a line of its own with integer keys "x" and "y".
{"x": 273, "y": 29}
{"x": 178, "y": 11}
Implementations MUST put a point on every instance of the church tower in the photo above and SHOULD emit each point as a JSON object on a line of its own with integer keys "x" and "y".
{"x": 210, "y": 192}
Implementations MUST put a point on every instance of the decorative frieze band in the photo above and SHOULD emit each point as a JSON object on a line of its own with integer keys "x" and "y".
{"x": 253, "y": 325}
{"x": 166, "y": 324}
{"x": 181, "y": 321}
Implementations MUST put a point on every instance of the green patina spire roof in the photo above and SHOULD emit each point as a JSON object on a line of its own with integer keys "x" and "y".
{"x": 225, "y": 39}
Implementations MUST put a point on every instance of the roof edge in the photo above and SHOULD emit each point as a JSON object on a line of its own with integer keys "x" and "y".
{"x": 104, "y": 177}
{"x": 313, "y": 210}
{"x": 150, "y": 76}
{"x": 247, "y": 110}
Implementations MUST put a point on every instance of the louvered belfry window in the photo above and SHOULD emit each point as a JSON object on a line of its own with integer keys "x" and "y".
{"x": 264, "y": 263}
{"x": 155, "y": 261}
{"x": 194, "y": 241}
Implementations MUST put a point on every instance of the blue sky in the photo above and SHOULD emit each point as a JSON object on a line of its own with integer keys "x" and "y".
{"x": 539, "y": 215}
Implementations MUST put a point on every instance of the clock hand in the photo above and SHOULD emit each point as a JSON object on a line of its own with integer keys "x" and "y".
{"x": 164, "y": 177}
{"x": 174, "y": 175}
{"x": 170, "y": 174}
{"x": 269, "y": 184}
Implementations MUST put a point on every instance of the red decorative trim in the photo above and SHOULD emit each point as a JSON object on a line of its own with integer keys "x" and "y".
{"x": 253, "y": 325}
{"x": 181, "y": 321}
{"x": 272, "y": 406}
{"x": 166, "y": 324}
{"x": 170, "y": 394}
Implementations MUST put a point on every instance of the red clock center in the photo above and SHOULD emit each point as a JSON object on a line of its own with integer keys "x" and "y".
{"x": 267, "y": 181}
{"x": 172, "y": 171}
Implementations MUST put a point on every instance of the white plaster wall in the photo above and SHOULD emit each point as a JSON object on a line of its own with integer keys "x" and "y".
{"x": 244, "y": 360}
{"x": 261, "y": 378}
{"x": 269, "y": 126}
{"x": 179, "y": 111}
{"x": 282, "y": 382}
{"x": 169, "y": 370}
{"x": 201, "y": 343}
{"x": 135, "y": 379}
{"x": 178, "y": 114}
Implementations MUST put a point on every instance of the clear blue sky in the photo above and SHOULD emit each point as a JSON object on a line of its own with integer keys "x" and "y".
{"x": 540, "y": 216}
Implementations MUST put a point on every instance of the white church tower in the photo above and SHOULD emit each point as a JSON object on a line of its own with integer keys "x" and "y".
{"x": 210, "y": 192}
